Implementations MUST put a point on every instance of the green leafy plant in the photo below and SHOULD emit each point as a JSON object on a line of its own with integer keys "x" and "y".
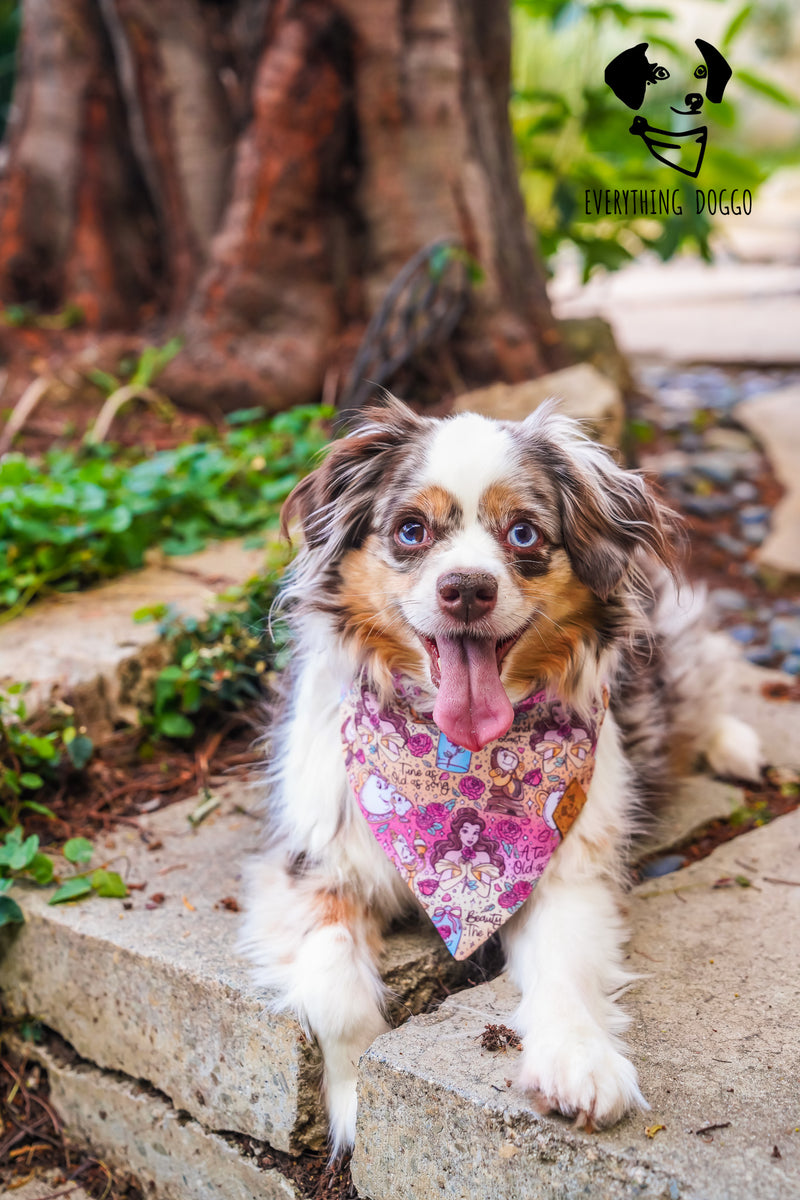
{"x": 21, "y": 858}
{"x": 26, "y": 316}
{"x": 571, "y": 133}
{"x": 219, "y": 663}
{"x": 79, "y": 516}
{"x": 29, "y": 756}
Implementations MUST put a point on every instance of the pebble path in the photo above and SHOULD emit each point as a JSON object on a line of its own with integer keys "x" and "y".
{"x": 714, "y": 472}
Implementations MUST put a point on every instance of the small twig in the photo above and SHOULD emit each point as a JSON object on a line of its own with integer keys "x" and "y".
{"x": 114, "y": 403}
{"x": 27, "y": 402}
{"x": 716, "y": 1125}
{"x": 788, "y": 882}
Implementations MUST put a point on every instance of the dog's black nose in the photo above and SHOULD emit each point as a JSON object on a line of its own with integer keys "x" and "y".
{"x": 467, "y": 595}
{"x": 693, "y": 101}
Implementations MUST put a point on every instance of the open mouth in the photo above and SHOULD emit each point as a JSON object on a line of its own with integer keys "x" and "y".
{"x": 501, "y": 649}
{"x": 472, "y": 708}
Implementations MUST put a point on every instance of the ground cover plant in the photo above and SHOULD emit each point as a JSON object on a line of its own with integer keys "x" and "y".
{"x": 79, "y": 515}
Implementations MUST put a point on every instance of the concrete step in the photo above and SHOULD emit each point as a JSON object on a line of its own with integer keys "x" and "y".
{"x": 714, "y": 1036}
{"x": 688, "y": 312}
{"x": 134, "y": 1129}
{"x": 159, "y": 994}
{"x": 80, "y": 642}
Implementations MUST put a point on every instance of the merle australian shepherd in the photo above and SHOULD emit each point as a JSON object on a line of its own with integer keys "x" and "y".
{"x": 480, "y": 559}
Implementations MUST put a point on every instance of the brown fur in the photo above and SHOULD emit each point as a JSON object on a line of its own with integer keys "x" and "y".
{"x": 549, "y": 650}
{"x": 371, "y": 620}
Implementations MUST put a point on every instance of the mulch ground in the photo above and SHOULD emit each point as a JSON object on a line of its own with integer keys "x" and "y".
{"x": 33, "y": 1143}
{"x": 118, "y": 785}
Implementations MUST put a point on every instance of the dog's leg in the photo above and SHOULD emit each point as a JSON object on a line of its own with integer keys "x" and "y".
{"x": 318, "y": 897}
{"x": 565, "y": 953}
{"x": 315, "y": 945}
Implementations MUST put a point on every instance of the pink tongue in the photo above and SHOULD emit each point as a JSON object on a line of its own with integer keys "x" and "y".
{"x": 472, "y": 708}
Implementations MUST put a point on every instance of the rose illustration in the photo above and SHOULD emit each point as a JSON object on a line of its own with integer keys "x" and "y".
{"x": 428, "y": 886}
{"x": 433, "y": 814}
{"x": 516, "y": 894}
{"x": 533, "y": 778}
{"x": 471, "y": 787}
{"x": 445, "y": 931}
{"x": 508, "y": 830}
{"x": 419, "y": 744}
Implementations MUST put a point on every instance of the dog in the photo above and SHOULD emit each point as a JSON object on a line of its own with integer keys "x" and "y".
{"x": 630, "y": 74}
{"x": 464, "y": 574}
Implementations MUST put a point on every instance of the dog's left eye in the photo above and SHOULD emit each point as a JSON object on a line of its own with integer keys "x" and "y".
{"x": 412, "y": 533}
{"x": 522, "y": 535}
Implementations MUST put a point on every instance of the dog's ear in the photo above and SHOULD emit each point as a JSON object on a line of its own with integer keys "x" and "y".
{"x": 608, "y": 517}
{"x": 627, "y": 75}
{"x": 719, "y": 71}
{"x": 334, "y": 504}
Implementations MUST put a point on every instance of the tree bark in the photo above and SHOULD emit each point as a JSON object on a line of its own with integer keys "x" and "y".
{"x": 257, "y": 173}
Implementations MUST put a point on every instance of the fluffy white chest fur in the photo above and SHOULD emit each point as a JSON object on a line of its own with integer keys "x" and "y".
{"x": 482, "y": 560}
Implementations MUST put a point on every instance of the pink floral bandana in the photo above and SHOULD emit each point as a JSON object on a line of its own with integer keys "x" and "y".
{"x": 470, "y": 831}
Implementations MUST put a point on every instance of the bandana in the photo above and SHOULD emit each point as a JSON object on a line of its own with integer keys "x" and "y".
{"x": 470, "y": 831}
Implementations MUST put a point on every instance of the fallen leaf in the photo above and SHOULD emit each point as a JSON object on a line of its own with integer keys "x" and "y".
{"x": 188, "y": 904}
{"x": 652, "y": 1130}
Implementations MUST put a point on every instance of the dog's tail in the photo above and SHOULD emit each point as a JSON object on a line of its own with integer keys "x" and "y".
{"x": 702, "y": 668}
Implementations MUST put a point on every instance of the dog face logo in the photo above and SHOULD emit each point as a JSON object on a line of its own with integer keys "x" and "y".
{"x": 629, "y": 76}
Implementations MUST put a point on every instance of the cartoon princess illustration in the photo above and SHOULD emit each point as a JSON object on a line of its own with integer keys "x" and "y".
{"x": 506, "y": 772}
{"x": 388, "y": 728}
{"x": 466, "y": 859}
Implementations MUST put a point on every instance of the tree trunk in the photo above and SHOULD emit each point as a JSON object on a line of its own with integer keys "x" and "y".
{"x": 255, "y": 174}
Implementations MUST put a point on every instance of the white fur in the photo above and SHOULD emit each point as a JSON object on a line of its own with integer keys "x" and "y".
{"x": 466, "y": 455}
{"x": 565, "y": 954}
{"x": 325, "y": 974}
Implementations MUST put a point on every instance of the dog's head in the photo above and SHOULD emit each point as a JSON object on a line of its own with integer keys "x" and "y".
{"x": 631, "y": 73}
{"x": 477, "y": 556}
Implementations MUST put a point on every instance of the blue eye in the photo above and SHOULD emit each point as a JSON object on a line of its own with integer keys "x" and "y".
{"x": 412, "y": 533}
{"x": 522, "y": 535}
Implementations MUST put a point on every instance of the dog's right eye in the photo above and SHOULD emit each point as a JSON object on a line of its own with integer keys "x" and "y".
{"x": 412, "y": 533}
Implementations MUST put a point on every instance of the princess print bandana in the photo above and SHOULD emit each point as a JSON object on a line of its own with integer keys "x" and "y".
{"x": 470, "y": 831}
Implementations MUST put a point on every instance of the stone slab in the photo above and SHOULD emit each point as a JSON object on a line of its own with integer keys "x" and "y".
{"x": 697, "y": 800}
{"x": 685, "y": 311}
{"x": 582, "y": 391}
{"x": 76, "y": 641}
{"x": 135, "y": 1130}
{"x": 776, "y": 721}
{"x": 159, "y": 993}
{"x": 715, "y": 1038}
{"x": 774, "y": 420}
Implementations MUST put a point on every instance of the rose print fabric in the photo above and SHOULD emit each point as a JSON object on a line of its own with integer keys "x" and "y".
{"x": 470, "y": 831}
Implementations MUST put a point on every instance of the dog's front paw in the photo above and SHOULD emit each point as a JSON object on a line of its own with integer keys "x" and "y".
{"x": 582, "y": 1075}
